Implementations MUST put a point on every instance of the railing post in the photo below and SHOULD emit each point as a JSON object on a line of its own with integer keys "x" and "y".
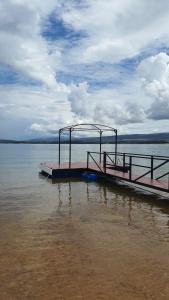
{"x": 104, "y": 161}
{"x": 124, "y": 160}
{"x": 152, "y": 166}
{"x": 130, "y": 164}
{"x": 59, "y": 147}
{"x": 100, "y": 146}
{"x": 115, "y": 147}
{"x": 70, "y": 147}
{"x": 88, "y": 159}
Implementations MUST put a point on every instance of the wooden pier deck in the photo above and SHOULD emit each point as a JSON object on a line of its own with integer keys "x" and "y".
{"x": 55, "y": 170}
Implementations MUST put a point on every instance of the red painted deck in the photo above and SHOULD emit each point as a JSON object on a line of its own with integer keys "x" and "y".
{"x": 54, "y": 166}
{"x": 145, "y": 181}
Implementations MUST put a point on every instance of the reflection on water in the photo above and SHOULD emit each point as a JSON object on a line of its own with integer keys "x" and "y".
{"x": 83, "y": 240}
{"x": 73, "y": 239}
{"x": 137, "y": 209}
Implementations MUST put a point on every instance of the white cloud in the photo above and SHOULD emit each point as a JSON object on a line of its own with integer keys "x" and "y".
{"x": 22, "y": 47}
{"x": 81, "y": 102}
{"x": 105, "y": 106}
{"x": 104, "y": 33}
{"x": 159, "y": 110}
{"x": 37, "y": 127}
{"x": 116, "y": 30}
{"x": 48, "y": 108}
{"x": 154, "y": 72}
{"x": 155, "y": 68}
{"x": 127, "y": 113}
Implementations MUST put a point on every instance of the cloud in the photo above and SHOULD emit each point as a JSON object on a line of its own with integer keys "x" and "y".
{"x": 129, "y": 113}
{"x": 102, "y": 107}
{"x": 159, "y": 110}
{"x": 80, "y": 100}
{"x": 154, "y": 72}
{"x": 21, "y": 43}
{"x": 116, "y": 30}
{"x": 45, "y": 128}
{"x": 75, "y": 61}
{"x": 122, "y": 114}
{"x": 48, "y": 108}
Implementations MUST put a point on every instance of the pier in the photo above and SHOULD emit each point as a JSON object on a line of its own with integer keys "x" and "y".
{"x": 145, "y": 170}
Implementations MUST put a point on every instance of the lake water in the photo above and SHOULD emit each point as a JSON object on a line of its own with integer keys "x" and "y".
{"x": 71, "y": 239}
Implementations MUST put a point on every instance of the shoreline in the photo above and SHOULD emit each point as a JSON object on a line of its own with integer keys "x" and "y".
{"x": 89, "y": 143}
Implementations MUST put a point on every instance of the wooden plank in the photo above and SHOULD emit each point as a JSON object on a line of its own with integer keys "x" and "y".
{"x": 148, "y": 182}
{"x": 55, "y": 166}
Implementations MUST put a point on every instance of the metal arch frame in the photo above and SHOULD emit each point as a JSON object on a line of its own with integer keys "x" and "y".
{"x": 79, "y": 127}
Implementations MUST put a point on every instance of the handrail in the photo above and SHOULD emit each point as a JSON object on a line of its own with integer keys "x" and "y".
{"x": 95, "y": 152}
{"x": 130, "y": 164}
{"x": 110, "y": 158}
{"x": 148, "y": 156}
{"x": 155, "y": 168}
{"x": 89, "y": 155}
{"x": 165, "y": 174}
{"x": 140, "y": 155}
{"x": 135, "y": 165}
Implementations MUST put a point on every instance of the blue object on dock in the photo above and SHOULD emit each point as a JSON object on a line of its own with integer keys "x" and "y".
{"x": 89, "y": 176}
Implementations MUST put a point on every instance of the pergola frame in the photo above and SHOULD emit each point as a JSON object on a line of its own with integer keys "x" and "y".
{"x": 86, "y": 127}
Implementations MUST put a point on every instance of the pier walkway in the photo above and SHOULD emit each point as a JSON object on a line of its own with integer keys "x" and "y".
{"x": 145, "y": 170}
{"x": 151, "y": 171}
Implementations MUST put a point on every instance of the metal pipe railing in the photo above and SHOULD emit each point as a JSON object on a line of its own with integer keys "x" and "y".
{"x": 130, "y": 170}
{"x": 165, "y": 174}
{"x": 152, "y": 170}
{"x": 104, "y": 161}
{"x": 88, "y": 158}
{"x": 146, "y": 156}
{"x": 130, "y": 156}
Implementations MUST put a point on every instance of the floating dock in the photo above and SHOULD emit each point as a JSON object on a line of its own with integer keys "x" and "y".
{"x": 150, "y": 171}
{"x": 54, "y": 170}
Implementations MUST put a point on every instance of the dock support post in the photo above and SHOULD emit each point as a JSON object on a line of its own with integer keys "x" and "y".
{"x": 152, "y": 166}
{"x": 100, "y": 146}
{"x": 70, "y": 147}
{"x": 124, "y": 161}
{"x": 130, "y": 164}
{"x": 104, "y": 162}
{"x": 115, "y": 147}
{"x": 88, "y": 160}
{"x": 59, "y": 146}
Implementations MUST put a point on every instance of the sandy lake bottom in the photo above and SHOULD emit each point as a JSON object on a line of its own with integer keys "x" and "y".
{"x": 83, "y": 240}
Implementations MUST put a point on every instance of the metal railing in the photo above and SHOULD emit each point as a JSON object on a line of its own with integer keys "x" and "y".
{"x": 130, "y": 162}
{"x": 90, "y": 155}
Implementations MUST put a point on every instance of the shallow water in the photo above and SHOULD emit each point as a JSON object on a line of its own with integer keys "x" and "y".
{"x": 77, "y": 239}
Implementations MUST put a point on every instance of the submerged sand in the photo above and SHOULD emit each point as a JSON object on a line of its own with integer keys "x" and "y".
{"x": 84, "y": 241}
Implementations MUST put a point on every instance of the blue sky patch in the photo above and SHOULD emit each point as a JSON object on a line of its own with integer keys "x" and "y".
{"x": 55, "y": 29}
{"x": 99, "y": 75}
{"x": 9, "y": 76}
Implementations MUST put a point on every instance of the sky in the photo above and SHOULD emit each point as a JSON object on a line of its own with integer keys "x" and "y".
{"x": 74, "y": 61}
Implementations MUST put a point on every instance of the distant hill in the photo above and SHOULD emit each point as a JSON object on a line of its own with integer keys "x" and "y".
{"x": 132, "y": 138}
{"x": 8, "y": 141}
{"x": 127, "y": 138}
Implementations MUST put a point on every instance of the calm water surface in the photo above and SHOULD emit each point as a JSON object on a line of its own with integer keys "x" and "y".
{"x": 72, "y": 239}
